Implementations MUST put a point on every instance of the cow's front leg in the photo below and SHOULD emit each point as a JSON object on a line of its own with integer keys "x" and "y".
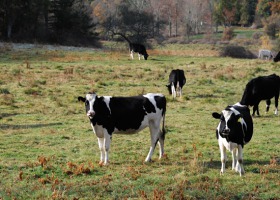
{"x": 223, "y": 157}
{"x": 139, "y": 56}
{"x": 173, "y": 91}
{"x": 107, "y": 144}
{"x": 239, "y": 165}
{"x": 102, "y": 150}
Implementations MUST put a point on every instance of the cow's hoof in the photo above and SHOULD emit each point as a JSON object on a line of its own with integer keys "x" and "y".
{"x": 164, "y": 156}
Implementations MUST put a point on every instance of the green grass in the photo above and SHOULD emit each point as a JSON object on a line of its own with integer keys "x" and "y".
{"x": 48, "y": 150}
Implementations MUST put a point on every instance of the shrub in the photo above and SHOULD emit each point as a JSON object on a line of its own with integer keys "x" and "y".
{"x": 236, "y": 52}
{"x": 257, "y": 35}
{"x": 228, "y": 33}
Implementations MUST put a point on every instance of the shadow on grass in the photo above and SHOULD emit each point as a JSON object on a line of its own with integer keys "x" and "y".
{"x": 2, "y": 115}
{"x": 27, "y": 126}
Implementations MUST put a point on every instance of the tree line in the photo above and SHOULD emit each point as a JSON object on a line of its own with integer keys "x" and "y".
{"x": 81, "y": 21}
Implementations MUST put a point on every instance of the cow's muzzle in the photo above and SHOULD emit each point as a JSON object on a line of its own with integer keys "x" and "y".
{"x": 90, "y": 114}
{"x": 226, "y": 131}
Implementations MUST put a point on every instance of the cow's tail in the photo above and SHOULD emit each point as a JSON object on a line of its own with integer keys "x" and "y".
{"x": 163, "y": 131}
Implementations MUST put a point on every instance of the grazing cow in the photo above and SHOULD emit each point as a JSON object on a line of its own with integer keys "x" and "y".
{"x": 135, "y": 48}
{"x": 277, "y": 57}
{"x": 138, "y": 48}
{"x": 261, "y": 88}
{"x": 126, "y": 115}
{"x": 265, "y": 54}
{"x": 177, "y": 80}
{"x": 234, "y": 130}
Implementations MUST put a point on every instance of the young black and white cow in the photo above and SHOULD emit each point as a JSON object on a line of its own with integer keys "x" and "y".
{"x": 234, "y": 130}
{"x": 277, "y": 57}
{"x": 261, "y": 88}
{"x": 138, "y": 48}
{"x": 177, "y": 80}
{"x": 126, "y": 115}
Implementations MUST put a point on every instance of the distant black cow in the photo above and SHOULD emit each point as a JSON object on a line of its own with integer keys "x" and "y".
{"x": 126, "y": 115}
{"x": 135, "y": 48}
{"x": 177, "y": 80}
{"x": 234, "y": 130}
{"x": 277, "y": 57}
{"x": 138, "y": 48}
{"x": 261, "y": 88}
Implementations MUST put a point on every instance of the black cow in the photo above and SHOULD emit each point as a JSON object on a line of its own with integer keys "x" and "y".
{"x": 138, "y": 48}
{"x": 135, "y": 48}
{"x": 126, "y": 115}
{"x": 234, "y": 130}
{"x": 177, "y": 80}
{"x": 261, "y": 88}
{"x": 277, "y": 57}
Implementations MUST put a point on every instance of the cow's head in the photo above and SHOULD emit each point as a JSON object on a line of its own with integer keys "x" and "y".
{"x": 169, "y": 88}
{"x": 230, "y": 121}
{"x": 277, "y": 57}
{"x": 146, "y": 56}
{"x": 89, "y": 102}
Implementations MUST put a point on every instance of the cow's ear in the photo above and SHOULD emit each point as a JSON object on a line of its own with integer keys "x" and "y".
{"x": 81, "y": 99}
{"x": 216, "y": 115}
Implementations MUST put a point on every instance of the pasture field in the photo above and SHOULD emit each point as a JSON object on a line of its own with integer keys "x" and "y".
{"x": 48, "y": 150}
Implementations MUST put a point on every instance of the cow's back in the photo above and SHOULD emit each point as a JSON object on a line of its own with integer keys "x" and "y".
{"x": 245, "y": 113}
{"x": 260, "y": 88}
{"x": 130, "y": 113}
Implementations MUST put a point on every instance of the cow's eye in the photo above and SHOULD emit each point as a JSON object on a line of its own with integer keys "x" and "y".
{"x": 222, "y": 118}
{"x": 86, "y": 103}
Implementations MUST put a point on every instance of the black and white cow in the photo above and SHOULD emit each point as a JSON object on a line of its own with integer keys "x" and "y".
{"x": 234, "y": 130}
{"x": 265, "y": 54}
{"x": 177, "y": 80}
{"x": 138, "y": 48}
{"x": 261, "y": 88}
{"x": 126, "y": 115}
{"x": 277, "y": 57}
{"x": 135, "y": 48}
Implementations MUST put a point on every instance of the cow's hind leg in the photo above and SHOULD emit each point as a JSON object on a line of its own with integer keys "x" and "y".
{"x": 161, "y": 143}
{"x": 154, "y": 132}
{"x": 234, "y": 160}
{"x": 276, "y": 104}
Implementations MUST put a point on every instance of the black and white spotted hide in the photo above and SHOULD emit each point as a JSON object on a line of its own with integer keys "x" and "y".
{"x": 234, "y": 130}
{"x": 126, "y": 115}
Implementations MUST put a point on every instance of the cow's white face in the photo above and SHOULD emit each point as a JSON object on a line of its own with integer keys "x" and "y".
{"x": 224, "y": 121}
{"x": 229, "y": 121}
{"x": 89, "y": 102}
